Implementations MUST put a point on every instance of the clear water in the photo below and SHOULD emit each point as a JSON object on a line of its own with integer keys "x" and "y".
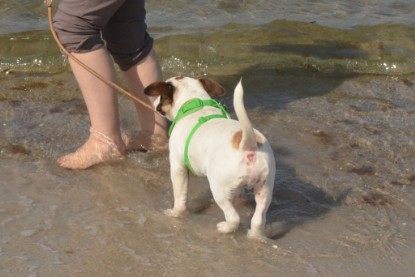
{"x": 331, "y": 84}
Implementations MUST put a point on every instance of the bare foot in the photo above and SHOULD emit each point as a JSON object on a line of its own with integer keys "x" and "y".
{"x": 143, "y": 141}
{"x": 99, "y": 148}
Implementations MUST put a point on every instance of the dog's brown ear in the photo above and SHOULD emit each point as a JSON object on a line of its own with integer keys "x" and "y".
{"x": 159, "y": 88}
{"x": 212, "y": 87}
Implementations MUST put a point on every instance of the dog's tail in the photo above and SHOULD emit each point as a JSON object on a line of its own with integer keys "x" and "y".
{"x": 247, "y": 138}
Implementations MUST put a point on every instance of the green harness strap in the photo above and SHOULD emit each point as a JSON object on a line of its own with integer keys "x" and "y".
{"x": 190, "y": 107}
{"x": 189, "y": 138}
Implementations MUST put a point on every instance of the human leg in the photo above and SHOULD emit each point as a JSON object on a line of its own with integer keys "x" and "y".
{"x": 78, "y": 24}
{"x": 105, "y": 141}
{"x": 153, "y": 135}
{"x": 132, "y": 49}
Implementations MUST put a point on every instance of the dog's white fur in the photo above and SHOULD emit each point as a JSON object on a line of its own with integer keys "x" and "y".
{"x": 230, "y": 153}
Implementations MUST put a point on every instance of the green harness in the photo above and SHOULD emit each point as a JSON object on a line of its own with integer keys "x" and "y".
{"x": 193, "y": 106}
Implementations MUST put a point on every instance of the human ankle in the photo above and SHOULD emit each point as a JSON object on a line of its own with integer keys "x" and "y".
{"x": 145, "y": 141}
{"x": 115, "y": 142}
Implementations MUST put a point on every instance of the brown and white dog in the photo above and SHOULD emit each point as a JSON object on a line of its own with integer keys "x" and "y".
{"x": 230, "y": 153}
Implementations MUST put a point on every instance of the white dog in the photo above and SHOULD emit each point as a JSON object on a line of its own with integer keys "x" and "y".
{"x": 205, "y": 141}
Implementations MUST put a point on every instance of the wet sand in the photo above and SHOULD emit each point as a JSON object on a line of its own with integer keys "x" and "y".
{"x": 343, "y": 201}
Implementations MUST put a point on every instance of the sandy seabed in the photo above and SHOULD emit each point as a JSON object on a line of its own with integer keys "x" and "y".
{"x": 343, "y": 201}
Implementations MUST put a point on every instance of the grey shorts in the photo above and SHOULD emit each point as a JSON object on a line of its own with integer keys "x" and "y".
{"x": 84, "y": 25}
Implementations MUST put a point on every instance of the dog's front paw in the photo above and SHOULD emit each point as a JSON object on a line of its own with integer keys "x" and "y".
{"x": 226, "y": 227}
{"x": 257, "y": 236}
{"x": 174, "y": 213}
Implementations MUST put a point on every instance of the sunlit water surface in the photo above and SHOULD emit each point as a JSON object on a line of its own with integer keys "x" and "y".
{"x": 331, "y": 84}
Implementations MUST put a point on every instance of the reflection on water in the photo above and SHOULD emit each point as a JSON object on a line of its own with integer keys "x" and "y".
{"x": 336, "y": 104}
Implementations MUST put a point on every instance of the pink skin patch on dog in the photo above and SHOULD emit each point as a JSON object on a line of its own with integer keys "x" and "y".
{"x": 250, "y": 157}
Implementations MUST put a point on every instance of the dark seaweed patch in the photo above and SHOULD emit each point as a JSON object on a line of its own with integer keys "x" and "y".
{"x": 57, "y": 109}
{"x": 7, "y": 71}
{"x": 15, "y": 103}
{"x": 28, "y": 87}
{"x": 356, "y": 108}
{"x": 348, "y": 121}
{"x": 79, "y": 108}
{"x": 409, "y": 83}
{"x": 371, "y": 129}
{"x": 325, "y": 136}
{"x": 397, "y": 183}
{"x": 73, "y": 106}
{"x": 375, "y": 199}
{"x": 19, "y": 149}
{"x": 364, "y": 170}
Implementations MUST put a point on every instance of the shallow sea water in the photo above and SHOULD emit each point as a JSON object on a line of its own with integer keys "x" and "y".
{"x": 332, "y": 86}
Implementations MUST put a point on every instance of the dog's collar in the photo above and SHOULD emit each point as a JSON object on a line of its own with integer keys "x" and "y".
{"x": 193, "y": 106}
{"x": 190, "y": 107}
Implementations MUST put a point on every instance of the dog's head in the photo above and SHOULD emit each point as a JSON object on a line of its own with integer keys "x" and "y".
{"x": 176, "y": 91}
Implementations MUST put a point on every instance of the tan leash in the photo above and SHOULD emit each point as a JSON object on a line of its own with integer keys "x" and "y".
{"x": 113, "y": 85}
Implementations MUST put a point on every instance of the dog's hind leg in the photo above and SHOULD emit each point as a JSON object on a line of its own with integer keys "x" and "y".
{"x": 179, "y": 177}
{"x": 224, "y": 200}
{"x": 263, "y": 197}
